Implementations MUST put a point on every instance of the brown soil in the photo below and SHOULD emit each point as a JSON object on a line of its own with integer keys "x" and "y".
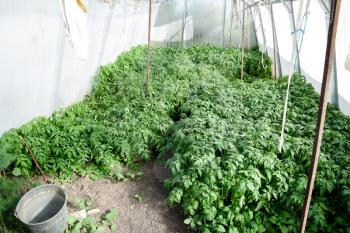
{"x": 153, "y": 215}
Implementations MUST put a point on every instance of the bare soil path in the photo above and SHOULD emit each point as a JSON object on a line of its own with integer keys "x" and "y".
{"x": 153, "y": 215}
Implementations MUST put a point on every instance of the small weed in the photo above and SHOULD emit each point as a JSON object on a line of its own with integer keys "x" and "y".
{"x": 140, "y": 197}
{"x": 84, "y": 204}
{"x": 93, "y": 225}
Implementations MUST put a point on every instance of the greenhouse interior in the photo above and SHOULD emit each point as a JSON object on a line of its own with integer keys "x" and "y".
{"x": 175, "y": 116}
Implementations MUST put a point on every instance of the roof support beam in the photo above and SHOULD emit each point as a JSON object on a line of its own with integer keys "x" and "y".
{"x": 265, "y": 3}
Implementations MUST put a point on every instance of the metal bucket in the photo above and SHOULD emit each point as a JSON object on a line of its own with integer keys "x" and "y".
{"x": 44, "y": 209}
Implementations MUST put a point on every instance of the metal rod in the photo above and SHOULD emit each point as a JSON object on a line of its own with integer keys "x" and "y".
{"x": 61, "y": 42}
{"x": 332, "y": 33}
{"x": 262, "y": 28}
{"x": 323, "y": 6}
{"x": 223, "y": 25}
{"x": 266, "y": 2}
{"x": 277, "y": 62}
{"x": 231, "y": 22}
{"x": 149, "y": 45}
{"x": 289, "y": 10}
{"x": 334, "y": 81}
{"x": 293, "y": 29}
{"x": 105, "y": 33}
{"x": 184, "y": 21}
{"x": 242, "y": 41}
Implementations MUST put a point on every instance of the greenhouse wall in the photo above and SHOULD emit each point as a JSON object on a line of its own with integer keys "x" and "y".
{"x": 40, "y": 71}
{"x": 312, "y": 53}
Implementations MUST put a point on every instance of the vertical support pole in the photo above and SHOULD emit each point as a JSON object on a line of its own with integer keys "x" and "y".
{"x": 105, "y": 35}
{"x": 231, "y": 22}
{"x": 277, "y": 61}
{"x": 262, "y": 26}
{"x": 223, "y": 25}
{"x": 332, "y": 32}
{"x": 149, "y": 46}
{"x": 58, "y": 66}
{"x": 184, "y": 21}
{"x": 242, "y": 41}
{"x": 293, "y": 29}
{"x": 334, "y": 81}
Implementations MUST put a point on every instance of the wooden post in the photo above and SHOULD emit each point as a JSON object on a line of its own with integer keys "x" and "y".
{"x": 149, "y": 46}
{"x": 327, "y": 71}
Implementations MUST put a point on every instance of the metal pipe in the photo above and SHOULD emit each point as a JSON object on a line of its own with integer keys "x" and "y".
{"x": 223, "y": 25}
{"x": 242, "y": 41}
{"x": 58, "y": 66}
{"x": 184, "y": 23}
{"x": 289, "y": 10}
{"x": 293, "y": 30}
{"x": 323, "y": 6}
{"x": 262, "y": 28}
{"x": 149, "y": 46}
{"x": 105, "y": 35}
{"x": 277, "y": 61}
{"x": 231, "y": 22}
{"x": 334, "y": 81}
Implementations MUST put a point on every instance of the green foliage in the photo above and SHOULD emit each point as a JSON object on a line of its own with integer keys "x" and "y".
{"x": 84, "y": 204}
{"x": 93, "y": 225}
{"x": 227, "y": 173}
{"x": 140, "y": 197}
{"x": 117, "y": 123}
{"x": 10, "y": 193}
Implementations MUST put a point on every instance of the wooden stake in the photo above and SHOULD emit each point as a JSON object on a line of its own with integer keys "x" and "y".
{"x": 332, "y": 32}
{"x": 23, "y": 141}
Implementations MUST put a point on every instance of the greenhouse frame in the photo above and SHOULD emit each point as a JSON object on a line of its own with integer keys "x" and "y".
{"x": 174, "y": 116}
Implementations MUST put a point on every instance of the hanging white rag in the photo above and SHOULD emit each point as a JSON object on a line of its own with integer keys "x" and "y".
{"x": 74, "y": 14}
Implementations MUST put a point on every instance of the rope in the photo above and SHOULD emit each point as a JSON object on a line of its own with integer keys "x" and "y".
{"x": 293, "y": 60}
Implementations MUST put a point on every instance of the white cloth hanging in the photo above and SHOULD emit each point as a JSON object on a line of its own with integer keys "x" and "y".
{"x": 74, "y": 14}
